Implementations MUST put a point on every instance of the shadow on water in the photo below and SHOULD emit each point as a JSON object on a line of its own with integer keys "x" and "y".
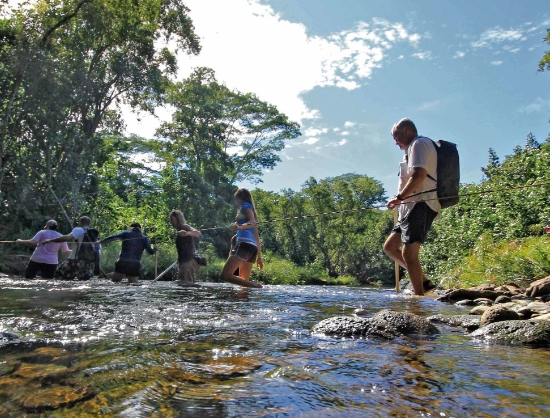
{"x": 99, "y": 349}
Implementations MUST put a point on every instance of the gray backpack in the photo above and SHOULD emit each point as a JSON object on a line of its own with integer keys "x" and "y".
{"x": 448, "y": 173}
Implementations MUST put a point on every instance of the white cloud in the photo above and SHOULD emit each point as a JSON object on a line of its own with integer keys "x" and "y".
{"x": 341, "y": 142}
{"x": 349, "y": 124}
{"x": 497, "y": 35}
{"x": 345, "y": 133}
{"x": 429, "y": 105}
{"x": 310, "y": 141}
{"x": 538, "y": 106}
{"x": 336, "y": 129}
{"x": 424, "y": 55}
{"x": 315, "y": 131}
{"x": 459, "y": 54}
{"x": 496, "y": 62}
{"x": 400, "y": 57}
{"x": 511, "y": 49}
{"x": 247, "y": 43}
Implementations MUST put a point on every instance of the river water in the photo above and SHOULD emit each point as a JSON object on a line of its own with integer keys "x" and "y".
{"x": 156, "y": 350}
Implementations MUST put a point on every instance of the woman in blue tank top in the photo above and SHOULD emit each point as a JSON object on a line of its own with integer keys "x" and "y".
{"x": 247, "y": 248}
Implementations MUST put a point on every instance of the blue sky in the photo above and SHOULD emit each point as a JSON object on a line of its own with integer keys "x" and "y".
{"x": 464, "y": 71}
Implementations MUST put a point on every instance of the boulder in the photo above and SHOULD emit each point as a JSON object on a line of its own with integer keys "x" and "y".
{"x": 539, "y": 288}
{"x": 512, "y": 288}
{"x": 497, "y": 314}
{"x": 483, "y": 302}
{"x": 503, "y": 299}
{"x": 479, "y": 310}
{"x": 469, "y": 322}
{"x": 385, "y": 324}
{"x": 516, "y": 332}
{"x": 472, "y": 294}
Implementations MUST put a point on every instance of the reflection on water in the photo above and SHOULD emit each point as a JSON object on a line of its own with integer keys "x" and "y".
{"x": 217, "y": 351}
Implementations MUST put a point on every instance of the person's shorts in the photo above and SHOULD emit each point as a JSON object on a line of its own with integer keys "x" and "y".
{"x": 246, "y": 252}
{"x": 187, "y": 271}
{"x": 416, "y": 225}
{"x": 75, "y": 269}
{"x": 128, "y": 268}
{"x": 46, "y": 270}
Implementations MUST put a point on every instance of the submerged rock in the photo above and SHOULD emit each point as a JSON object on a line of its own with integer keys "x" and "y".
{"x": 497, "y": 314}
{"x": 53, "y": 398}
{"x": 539, "y": 288}
{"x": 469, "y": 322}
{"x": 385, "y": 324}
{"x": 516, "y": 332}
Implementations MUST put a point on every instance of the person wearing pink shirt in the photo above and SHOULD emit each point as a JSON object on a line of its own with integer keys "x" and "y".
{"x": 45, "y": 257}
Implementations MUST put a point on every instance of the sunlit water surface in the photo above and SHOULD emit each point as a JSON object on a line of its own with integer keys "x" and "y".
{"x": 100, "y": 349}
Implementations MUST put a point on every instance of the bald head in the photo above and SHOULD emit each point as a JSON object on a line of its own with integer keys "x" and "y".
{"x": 403, "y": 132}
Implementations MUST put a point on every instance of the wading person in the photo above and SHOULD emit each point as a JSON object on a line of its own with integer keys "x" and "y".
{"x": 81, "y": 262}
{"x": 247, "y": 248}
{"x": 44, "y": 259}
{"x": 188, "y": 260}
{"x": 417, "y": 201}
{"x": 134, "y": 242}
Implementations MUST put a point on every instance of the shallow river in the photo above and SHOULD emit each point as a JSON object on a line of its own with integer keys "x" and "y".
{"x": 100, "y": 349}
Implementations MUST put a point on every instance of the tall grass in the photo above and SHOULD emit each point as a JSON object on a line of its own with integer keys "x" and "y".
{"x": 519, "y": 261}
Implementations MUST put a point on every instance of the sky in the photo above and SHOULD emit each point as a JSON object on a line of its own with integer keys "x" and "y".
{"x": 465, "y": 72}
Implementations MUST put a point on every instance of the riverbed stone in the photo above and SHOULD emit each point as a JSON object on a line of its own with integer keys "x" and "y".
{"x": 497, "y": 314}
{"x": 539, "y": 288}
{"x": 472, "y": 294}
{"x": 512, "y": 288}
{"x": 534, "y": 309}
{"x": 483, "y": 302}
{"x": 516, "y": 332}
{"x": 385, "y": 324}
{"x": 53, "y": 398}
{"x": 479, "y": 310}
{"x": 503, "y": 299}
{"x": 545, "y": 317}
{"x": 469, "y": 322}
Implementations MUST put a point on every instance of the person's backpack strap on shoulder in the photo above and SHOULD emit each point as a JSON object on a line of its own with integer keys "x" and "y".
{"x": 87, "y": 250}
{"x": 448, "y": 173}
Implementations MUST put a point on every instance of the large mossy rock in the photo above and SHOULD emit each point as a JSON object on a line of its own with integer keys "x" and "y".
{"x": 516, "y": 332}
{"x": 385, "y": 324}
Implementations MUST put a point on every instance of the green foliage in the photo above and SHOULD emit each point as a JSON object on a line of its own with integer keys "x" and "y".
{"x": 544, "y": 63}
{"x": 518, "y": 261}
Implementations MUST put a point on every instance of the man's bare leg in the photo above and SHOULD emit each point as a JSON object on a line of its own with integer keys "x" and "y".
{"x": 410, "y": 256}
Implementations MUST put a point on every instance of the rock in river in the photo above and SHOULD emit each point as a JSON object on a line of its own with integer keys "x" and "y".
{"x": 516, "y": 332}
{"x": 469, "y": 322}
{"x": 385, "y": 324}
{"x": 497, "y": 314}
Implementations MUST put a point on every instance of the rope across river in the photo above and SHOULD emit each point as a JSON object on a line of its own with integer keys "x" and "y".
{"x": 336, "y": 212}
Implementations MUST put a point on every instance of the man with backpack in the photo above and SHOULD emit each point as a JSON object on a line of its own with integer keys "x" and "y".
{"x": 80, "y": 264}
{"x": 420, "y": 196}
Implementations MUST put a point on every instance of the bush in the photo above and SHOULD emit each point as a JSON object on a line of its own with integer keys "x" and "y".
{"x": 519, "y": 261}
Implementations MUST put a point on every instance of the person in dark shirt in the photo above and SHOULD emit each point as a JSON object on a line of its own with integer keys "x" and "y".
{"x": 134, "y": 242}
{"x": 188, "y": 266}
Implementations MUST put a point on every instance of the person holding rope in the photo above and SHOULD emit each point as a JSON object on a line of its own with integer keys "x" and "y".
{"x": 134, "y": 242}
{"x": 188, "y": 260}
{"x": 417, "y": 201}
{"x": 45, "y": 257}
{"x": 247, "y": 248}
{"x": 80, "y": 264}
